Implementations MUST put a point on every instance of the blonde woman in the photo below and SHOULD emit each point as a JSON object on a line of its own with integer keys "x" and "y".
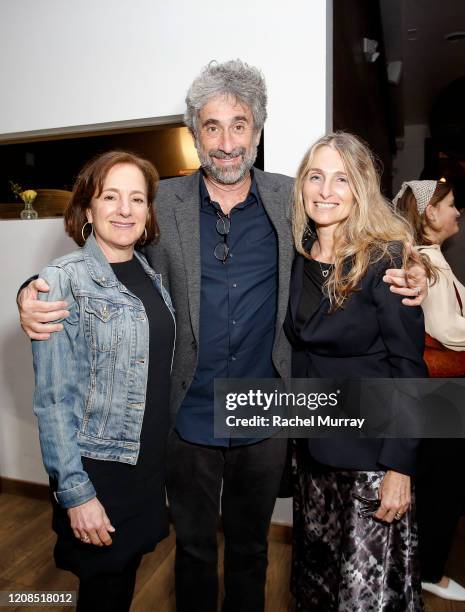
{"x": 343, "y": 321}
{"x": 430, "y": 209}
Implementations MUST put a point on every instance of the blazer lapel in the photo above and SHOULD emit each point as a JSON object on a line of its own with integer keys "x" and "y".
{"x": 296, "y": 288}
{"x": 187, "y": 213}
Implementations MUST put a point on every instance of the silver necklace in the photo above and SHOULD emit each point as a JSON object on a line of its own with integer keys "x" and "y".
{"x": 324, "y": 273}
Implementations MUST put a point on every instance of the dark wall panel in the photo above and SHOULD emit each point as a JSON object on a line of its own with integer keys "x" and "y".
{"x": 360, "y": 94}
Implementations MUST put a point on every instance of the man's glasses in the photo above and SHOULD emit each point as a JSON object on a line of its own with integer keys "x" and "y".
{"x": 223, "y": 225}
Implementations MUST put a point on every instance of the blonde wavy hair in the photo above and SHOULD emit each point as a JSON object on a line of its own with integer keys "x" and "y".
{"x": 368, "y": 233}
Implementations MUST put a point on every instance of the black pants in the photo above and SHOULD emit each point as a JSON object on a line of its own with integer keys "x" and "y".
{"x": 251, "y": 477}
{"x": 108, "y": 592}
{"x": 440, "y": 488}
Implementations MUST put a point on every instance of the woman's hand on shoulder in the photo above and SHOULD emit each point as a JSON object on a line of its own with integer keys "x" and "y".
{"x": 90, "y": 523}
{"x": 395, "y": 496}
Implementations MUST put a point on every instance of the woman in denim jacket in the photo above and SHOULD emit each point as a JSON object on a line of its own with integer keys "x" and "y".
{"x": 102, "y": 384}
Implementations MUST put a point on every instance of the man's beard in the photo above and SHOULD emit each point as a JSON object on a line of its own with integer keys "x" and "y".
{"x": 227, "y": 176}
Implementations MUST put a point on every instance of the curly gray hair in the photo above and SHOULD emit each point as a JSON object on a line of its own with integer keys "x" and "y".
{"x": 235, "y": 78}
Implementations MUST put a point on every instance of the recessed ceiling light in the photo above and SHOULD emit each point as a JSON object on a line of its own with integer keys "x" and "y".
{"x": 454, "y": 36}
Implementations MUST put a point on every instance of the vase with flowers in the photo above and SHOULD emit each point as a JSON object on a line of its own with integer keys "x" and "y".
{"x": 27, "y": 196}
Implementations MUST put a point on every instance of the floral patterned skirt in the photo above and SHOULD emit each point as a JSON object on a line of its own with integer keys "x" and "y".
{"x": 343, "y": 559}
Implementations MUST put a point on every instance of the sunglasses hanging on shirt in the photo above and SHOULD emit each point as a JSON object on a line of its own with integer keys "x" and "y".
{"x": 223, "y": 225}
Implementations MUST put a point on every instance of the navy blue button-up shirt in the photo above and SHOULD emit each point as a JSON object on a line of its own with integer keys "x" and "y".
{"x": 238, "y": 303}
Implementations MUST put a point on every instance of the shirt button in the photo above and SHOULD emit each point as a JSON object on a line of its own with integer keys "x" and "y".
{"x": 233, "y": 322}
{"x": 234, "y": 285}
{"x": 233, "y": 358}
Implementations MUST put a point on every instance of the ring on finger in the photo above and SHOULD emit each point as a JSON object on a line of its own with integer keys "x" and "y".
{"x": 398, "y": 516}
{"x": 85, "y": 539}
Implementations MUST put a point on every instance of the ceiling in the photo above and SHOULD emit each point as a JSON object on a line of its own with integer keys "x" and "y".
{"x": 429, "y": 62}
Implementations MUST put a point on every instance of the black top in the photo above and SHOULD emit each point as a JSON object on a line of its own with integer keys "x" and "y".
{"x": 133, "y": 495}
{"x": 373, "y": 335}
{"x": 315, "y": 274}
{"x": 156, "y": 422}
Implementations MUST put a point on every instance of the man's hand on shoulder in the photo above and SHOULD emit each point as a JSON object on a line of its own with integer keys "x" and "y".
{"x": 412, "y": 283}
{"x": 35, "y": 315}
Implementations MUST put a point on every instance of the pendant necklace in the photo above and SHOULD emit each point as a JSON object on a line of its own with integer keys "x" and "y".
{"x": 324, "y": 273}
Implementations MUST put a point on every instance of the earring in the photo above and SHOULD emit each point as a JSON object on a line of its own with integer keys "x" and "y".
{"x": 145, "y": 237}
{"x": 82, "y": 230}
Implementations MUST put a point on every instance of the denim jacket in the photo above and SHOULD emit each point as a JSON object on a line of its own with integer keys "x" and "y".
{"x": 91, "y": 378}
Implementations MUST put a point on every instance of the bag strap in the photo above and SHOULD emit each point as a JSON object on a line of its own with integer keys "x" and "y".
{"x": 458, "y": 299}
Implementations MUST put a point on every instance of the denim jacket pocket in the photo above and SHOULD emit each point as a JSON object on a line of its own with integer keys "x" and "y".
{"x": 103, "y": 324}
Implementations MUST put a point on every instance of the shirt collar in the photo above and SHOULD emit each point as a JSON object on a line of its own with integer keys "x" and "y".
{"x": 252, "y": 197}
{"x": 99, "y": 267}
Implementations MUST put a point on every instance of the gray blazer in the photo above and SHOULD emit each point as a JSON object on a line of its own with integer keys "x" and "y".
{"x": 176, "y": 256}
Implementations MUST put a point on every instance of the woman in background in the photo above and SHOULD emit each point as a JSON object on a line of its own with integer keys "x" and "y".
{"x": 355, "y": 539}
{"x": 102, "y": 384}
{"x": 429, "y": 207}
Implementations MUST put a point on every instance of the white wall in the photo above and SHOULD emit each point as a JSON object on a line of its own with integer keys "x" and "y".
{"x": 92, "y": 61}
{"x": 26, "y": 247}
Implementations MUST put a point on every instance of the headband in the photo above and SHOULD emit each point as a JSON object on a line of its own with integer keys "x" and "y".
{"x": 422, "y": 190}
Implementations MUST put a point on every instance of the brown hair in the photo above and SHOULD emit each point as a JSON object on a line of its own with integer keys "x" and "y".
{"x": 90, "y": 182}
{"x": 407, "y": 207}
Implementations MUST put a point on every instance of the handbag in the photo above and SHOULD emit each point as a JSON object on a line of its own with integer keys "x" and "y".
{"x": 441, "y": 361}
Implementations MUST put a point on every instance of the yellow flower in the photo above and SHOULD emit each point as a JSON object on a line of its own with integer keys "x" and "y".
{"x": 28, "y": 196}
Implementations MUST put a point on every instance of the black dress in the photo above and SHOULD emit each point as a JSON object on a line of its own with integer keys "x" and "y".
{"x": 133, "y": 495}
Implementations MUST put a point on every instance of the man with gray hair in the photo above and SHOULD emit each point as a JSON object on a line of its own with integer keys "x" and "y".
{"x": 226, "y": 248}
